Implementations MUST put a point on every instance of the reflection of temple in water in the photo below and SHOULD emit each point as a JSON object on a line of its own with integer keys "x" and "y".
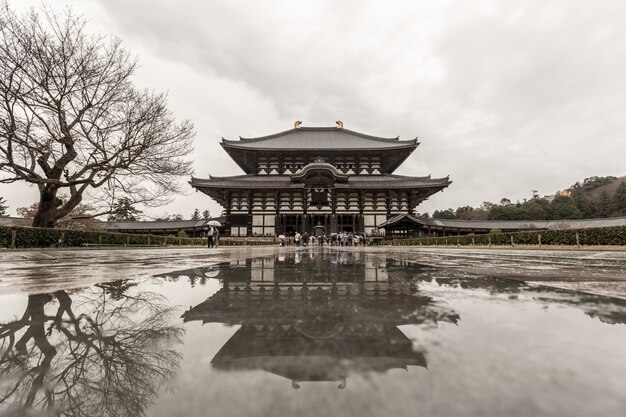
{"x": 317, "y": 316}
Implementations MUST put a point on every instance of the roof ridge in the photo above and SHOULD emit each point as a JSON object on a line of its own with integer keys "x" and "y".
{"x": 319, "y": 128}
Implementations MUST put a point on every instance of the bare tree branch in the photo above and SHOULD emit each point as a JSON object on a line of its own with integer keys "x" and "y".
{"x": 72, "y": 122}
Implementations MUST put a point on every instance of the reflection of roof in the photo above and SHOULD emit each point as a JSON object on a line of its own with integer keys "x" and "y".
{"x": 265, "y": 304}
{"x": 506, "y": 224}
{"x": 287, "y": 352}
{"x": 318, "y": 316}
{"x": 312, "y": 138}
{"x": 159, "y": 224}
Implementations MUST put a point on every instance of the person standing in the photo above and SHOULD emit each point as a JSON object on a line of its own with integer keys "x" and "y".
{"x": 210, "y": 234}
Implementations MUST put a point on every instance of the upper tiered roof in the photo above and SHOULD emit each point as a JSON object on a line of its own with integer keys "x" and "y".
{"x": 319, "y": 138}
{"x": 319, "y": 141}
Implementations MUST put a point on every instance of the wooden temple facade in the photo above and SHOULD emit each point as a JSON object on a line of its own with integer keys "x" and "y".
{"x": 316, "y": 180}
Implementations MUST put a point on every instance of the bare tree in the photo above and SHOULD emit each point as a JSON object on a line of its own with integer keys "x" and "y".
{"x": 80, "y": 217}
{"x": 72, "y": 122}
{"x": 104, "y": 352}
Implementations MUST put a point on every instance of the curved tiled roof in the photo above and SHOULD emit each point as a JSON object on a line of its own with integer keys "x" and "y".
{"x": 319, "y": 138}
{"x": 159, "y": 224}
{"x": 278, "y": 182}
{"x": 510, "y": 224}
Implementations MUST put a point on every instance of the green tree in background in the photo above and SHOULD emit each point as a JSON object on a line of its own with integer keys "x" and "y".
{"x": 506, "y": 212}
{"x": 605, "y": 205}
{"x": 591, "y": 198}
{"x": 619, "y": 200}
{"x": 563, "y": 207}
{"x": 195, "y": 215}
{"x": 3, "y": 207}
{"x": 444, "y": 214}
{"x": 206, "y": 214}
{"x": 123, "y": 210}
{"x": 535, "y": 209}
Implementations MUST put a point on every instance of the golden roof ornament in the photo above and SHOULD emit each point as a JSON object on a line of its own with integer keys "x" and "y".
{"x": 297, "y": 124}
{"x": 339, "y": 124}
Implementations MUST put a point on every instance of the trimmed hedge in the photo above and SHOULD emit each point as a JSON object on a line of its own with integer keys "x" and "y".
{"x": 35, "y": 237}
{"x": 595, "y": 236}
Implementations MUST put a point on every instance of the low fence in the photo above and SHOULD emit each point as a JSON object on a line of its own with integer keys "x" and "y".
{"x": 601, "y": 236}
{"x": 35, "y": 237}
{"x": 247, "y": 241}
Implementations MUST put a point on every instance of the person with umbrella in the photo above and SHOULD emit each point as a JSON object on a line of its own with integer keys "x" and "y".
{"x": 212, "y": 233}
{"x": 209, "y": 234}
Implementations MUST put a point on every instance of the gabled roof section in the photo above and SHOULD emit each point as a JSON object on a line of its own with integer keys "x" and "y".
{"x": 321, "y": 138}
{"x": 319, "y": 168}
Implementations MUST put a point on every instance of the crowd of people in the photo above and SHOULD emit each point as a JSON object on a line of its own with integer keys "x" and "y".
{"x": 332, "y": 239}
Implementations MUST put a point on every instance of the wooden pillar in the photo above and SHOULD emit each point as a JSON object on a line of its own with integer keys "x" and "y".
{"x": 388, "y": 203}
{"x": 249, "y": 196}
{"x": 277, "y": 218}
{"x": 361, "y": 202}
{"x": 333, "y": 208}
{"x": 228, "y": 198}
{"x": 411, "y": 201}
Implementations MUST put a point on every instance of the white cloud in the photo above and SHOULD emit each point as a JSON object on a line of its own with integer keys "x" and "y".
{"x": 505, "y": 96}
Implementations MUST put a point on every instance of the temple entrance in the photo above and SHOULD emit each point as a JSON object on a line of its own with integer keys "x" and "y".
{"x": 290, "y": 223}
{"x": 346, "y": 223}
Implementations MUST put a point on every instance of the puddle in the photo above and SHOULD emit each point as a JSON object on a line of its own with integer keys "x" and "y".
{"x": 313, "y": 333}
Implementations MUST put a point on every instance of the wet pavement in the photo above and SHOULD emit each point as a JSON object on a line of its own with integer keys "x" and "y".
{"x": 312, "y": 332}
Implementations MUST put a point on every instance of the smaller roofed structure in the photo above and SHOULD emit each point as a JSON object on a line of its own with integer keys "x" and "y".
{"x": 193, "y": 228}
{"x": 407, "y": 225}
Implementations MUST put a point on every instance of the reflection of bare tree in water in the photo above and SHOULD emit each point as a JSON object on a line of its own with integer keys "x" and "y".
{"x": 102, "y": 352}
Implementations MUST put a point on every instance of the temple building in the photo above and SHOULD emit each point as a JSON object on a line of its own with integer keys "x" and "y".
{"x": 316, "y": 180}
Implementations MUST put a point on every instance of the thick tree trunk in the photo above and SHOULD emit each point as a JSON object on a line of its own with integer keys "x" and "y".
{"x": 47, "y": 214}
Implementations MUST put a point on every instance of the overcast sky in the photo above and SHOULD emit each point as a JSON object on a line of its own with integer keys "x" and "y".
{"x": 505, "y": 96}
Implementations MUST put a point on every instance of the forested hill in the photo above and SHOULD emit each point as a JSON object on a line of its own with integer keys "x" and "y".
{"x": 592, "y": 198}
